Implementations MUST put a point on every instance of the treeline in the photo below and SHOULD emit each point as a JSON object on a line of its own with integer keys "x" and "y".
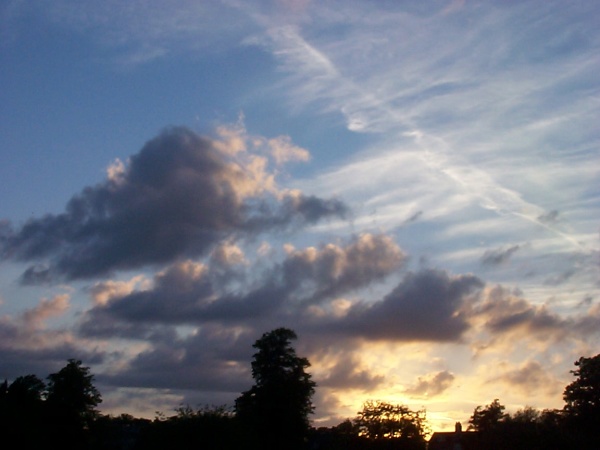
{"x": 62, "y": 412}
{"x": 59, "y": 413}
{"x": 274, "y": 414}
{"x": 531, "y": 429}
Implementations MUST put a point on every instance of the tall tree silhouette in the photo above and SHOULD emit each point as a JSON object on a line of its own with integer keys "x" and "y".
{"x": 276, "y": 409}
{"x": 71, "y": 403}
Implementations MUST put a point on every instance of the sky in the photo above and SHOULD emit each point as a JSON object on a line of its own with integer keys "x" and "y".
{"x": 411, "y": 186}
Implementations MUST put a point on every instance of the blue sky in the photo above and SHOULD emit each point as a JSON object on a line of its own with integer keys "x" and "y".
{"x": 411, "y": 186}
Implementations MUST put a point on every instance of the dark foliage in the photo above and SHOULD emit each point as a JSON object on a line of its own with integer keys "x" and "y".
{"x": 382, "y": 420}
{"x": 275, "y": 411}
{"x": 378, "y": 426}
{"x": 123, "y": 432}
{"x": 22, "y": 410}
{"x": 488, "y": 418}
{"x": 212, "y": 428}
{"x": 71, "y": 401}
{"x": 582, "y": 396}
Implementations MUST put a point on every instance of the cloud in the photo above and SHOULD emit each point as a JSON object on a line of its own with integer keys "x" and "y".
{"x": 498, "y": 256}
{"x": 191, "y": 292}
{"x": 28, "y": 345}
{"x": 347, "y": 373}
{"x": 431, "y": 384}
{"x": 506, "y": 313}
{"x": 28, "y": 329}
{"x": 503, "y": 317}
{"x": 103, "y": 291}
{"x": 529, "y": 378}
{"x": 179, "y": 197}
{"x": 366, "y": 79}
{"x": 212, "y": 358}
{"x": 429, "y": 305}
{"x": 549, "y": 217}
{"x": 333, "y": 270}
{"x": 413, "y": 218}
{"x": 283, "y": 150}
{"x": 560, "y": 278}
{"x": 37, "y": 274}
{"x": 55, "y": 306}
{"x": 143, "y": 32}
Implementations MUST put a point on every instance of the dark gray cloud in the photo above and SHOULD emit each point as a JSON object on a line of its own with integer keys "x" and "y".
{"x": 15, "y": 362}
{"x": 37, "y": 274}
{"x": 347, "y": 374}
{"x": 202, "y": 302}
{"x": 550, "y": 217}
{"x": 498, "y": 256}
{"x": 191, "y": 293}
{"x": 529, "y": 378}
{"x": 29, "y": 346}
{"x": 508, "y": 313}
{"x": 176, "y": 198}
{"x": 332, "y": 270}
{"x": 432, "y": 384}
{"x": 508, "y": 317}
{"x": 430, "y": 305}
{"x": 413, "y": 218}
{"x": 18, "y": 356}
{"x": 213, "y": 358}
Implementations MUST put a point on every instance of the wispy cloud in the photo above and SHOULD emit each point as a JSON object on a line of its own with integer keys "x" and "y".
{"x": 450, "y": 91}
{"x": 498, "y": 256}
{"x": 529, "y": 378}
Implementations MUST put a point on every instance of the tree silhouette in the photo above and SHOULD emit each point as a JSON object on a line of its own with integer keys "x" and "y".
{"x": 210, "y": 427}
{"x": 488, "y": 417}
{"x": 22, "y": 410}
{"x": 71, "y": 404}
{"x": 582, "y": 396}
{"x": 381, "y": 420}
{"x": 582, "y": 402}
{"x": 275, "y": 410}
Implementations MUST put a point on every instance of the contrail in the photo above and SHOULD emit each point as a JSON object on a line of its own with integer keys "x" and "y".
{"x": 369, "y": 111}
